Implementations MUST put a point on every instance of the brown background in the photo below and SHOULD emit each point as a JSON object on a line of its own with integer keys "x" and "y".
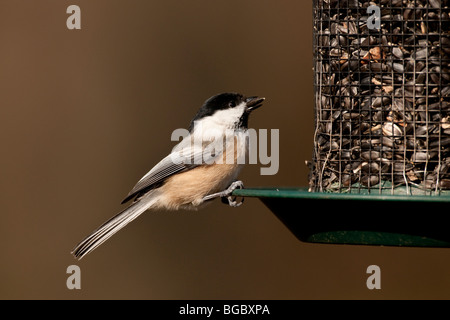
{"x": 86, "y": 113}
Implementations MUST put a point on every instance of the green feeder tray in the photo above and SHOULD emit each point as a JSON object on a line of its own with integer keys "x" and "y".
{"x": 374, "y": 218}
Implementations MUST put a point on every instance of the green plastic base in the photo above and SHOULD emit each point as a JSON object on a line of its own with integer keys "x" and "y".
{"x": 375, "y": 238}
{"x": 354, "y": 218}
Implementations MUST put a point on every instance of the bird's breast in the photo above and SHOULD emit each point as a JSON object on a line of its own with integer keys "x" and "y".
{"x": 187, "y": 189}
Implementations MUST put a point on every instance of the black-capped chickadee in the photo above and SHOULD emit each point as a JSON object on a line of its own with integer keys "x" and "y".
{"x": 199, "y": 168}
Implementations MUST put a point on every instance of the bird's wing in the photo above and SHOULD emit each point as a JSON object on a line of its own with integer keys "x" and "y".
{"x": 185, "y": 156}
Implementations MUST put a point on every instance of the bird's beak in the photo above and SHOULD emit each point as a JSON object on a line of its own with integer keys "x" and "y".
{"x": 253, "y": 103}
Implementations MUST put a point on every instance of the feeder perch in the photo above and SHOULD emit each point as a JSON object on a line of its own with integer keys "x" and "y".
{"x": 354, "y": 218}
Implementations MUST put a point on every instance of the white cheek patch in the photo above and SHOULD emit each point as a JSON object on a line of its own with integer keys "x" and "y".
{"x": 229, "y": 117}
{"x": 220, "y": 121}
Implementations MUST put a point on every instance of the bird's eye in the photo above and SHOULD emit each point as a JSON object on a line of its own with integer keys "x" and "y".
{"x": 231, "y": 104}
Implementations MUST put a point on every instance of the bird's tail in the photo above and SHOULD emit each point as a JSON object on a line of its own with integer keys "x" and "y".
{"x": 110, "y": 227}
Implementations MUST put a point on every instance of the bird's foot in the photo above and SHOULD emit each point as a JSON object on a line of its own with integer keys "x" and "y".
{"x": 226, "y": 196}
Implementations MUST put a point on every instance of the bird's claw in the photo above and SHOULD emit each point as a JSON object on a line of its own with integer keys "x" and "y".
{"x": 230, "y": 198}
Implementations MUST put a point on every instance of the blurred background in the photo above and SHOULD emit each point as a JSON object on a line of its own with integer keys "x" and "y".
{"x": 85, "y": 113}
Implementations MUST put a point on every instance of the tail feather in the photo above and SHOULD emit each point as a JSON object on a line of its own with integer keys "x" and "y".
{"x": 113, "y": 225}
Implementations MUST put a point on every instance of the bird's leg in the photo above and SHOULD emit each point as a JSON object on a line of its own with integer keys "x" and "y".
{"x": 226, "y": 194}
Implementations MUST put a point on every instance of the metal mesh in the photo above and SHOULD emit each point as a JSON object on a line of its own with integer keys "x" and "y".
{"x": 382, "y": 96}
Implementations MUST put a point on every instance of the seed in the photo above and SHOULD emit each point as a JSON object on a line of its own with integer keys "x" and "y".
{"x": 435, "y": 3}
{"x": 420, "y": 156}
{"x": 398, "y": 67}
{"x": 370, "y": 167}
{"x": 370, "y": 181}
{"x": 397, "y": 53}
{"x": 391, "y": 129}
{"x": 444, "y": 184}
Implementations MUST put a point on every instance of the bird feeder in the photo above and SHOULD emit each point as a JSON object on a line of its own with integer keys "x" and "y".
{"x": 380, "y": 171}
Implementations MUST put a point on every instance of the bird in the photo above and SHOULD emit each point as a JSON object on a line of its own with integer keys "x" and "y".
{"x": 203, "y": 166}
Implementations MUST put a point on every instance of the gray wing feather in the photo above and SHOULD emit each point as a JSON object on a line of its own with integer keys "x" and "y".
{"x": 184, "y": 157}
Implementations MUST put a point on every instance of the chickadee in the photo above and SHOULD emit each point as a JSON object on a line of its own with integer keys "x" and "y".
{"x": 184, "y": 179}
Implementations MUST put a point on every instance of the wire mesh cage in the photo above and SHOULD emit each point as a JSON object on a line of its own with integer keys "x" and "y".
{"x": 382, "y": 96}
